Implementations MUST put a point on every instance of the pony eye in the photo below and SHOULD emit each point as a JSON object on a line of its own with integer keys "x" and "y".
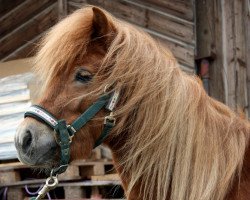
{"x": 83, "y": 76}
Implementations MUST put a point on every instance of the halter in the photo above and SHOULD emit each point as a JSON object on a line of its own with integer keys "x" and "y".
{"x": 64, "y": 133}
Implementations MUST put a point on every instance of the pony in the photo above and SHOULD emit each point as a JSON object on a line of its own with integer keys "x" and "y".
{"x": 171, "y": 140}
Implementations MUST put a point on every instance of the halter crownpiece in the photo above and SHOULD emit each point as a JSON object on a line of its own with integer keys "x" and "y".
{"x": 64, "y": 133}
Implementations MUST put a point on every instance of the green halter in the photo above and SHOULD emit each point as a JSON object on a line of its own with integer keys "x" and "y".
{"x": 65, "y": 133}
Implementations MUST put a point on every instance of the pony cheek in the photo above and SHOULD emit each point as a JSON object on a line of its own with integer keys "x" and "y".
{"x": 81, "y": 146}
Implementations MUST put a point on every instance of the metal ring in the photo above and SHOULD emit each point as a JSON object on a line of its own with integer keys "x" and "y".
{"x": 55, "y": 181}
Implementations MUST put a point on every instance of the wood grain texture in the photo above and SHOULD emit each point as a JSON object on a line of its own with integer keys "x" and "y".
{"x": 240, "y": 56}
{"x": 209, "y": 42}
{"x": 181, "y": 8}
{"x": 7, "y": 5}
{"x": 222, "y": 30}
{"x": 26, "y": 50}
{"x": 22, "y": 13}
{"x": 247, "y": 41}
{"x": 204, "y": 29}
{"x": 145, "y": 16}
{"x": 228, "y": 46}
{"x": 8, "y": 177}
{"x": 171, "y": 26}
{"x": 174, "y": 32}
{"x": 183, "y": 52}
{"x": 62, "y": 8}
{"x": 30, "y": 29}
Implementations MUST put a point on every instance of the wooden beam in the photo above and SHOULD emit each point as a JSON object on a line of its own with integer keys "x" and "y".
{"x": 171, "y": 26}
{"x": 247, "y": 41}
{"x": 183, "y": 9}
{"x": 27, "y": 50}
{"x": 204, "y": 29}
{"x": 28, "y": 30}
{"x": 16, "y": 17}
{"x": 62, "y": 8}
{"x": 8, "y": 177}
{"x": 240, "y": 55}
{"x": 209, "y": 33}
{"x": 19, "y": 165}
{"x": 7, "y": 5}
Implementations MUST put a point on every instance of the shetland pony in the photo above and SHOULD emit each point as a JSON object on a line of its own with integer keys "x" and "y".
{"x": 171, "y": 140}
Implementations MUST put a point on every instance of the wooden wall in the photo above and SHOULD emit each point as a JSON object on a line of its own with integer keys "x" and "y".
{"x": 170, "y": 22}
{"x": 223, "y": 32}
{"x": 22, "y": 22}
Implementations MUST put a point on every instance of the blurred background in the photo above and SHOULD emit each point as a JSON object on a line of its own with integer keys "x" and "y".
{"x": 209, "y": 38}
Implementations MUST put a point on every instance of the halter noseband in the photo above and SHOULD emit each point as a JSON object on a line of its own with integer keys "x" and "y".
{"x": 64, "y": 133}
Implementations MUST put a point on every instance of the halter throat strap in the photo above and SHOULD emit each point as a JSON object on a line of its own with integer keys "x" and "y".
{"x": 64, "y": 133}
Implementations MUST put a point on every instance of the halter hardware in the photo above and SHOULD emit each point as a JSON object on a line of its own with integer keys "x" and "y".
{"x": 64, "y": 133}
{"x": 110, "y": 119}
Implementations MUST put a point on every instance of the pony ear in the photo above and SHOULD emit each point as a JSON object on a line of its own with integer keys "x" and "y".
{"x": 102, "y": 27}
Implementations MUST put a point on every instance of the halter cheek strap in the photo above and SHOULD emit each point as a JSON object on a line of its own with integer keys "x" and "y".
{"x": 64, "y": 133}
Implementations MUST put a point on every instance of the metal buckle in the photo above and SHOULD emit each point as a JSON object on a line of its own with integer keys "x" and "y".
{"x": 71, "y": 128}
{"x": 110, "y": 119}
{"x": 74, "y": 131}
{"x": 58, "y": 141}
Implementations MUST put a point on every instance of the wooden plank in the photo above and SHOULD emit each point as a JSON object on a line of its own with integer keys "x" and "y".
{"x": 137, "y": 15}
{"x": 26, "y": 50}
{"x": 145, "y": 16}
{"x": 9, "y": 177}
{"x": 90, "y": 163}
{"x": 62, "y": 8}
{"x": 205, "y": 32}
{"x": 106, "y": 177}
{"x": 247, "y": 40}
{"x": 213, "y": 11}
{"x": 187, "y": 69}
{"x": 228, "y": 46}
{"x": 182, "y": 51}
{"x": 19, "y": 165}
{"x": 72, "y": 192}
{"x": 124, "y": 10}
{"x": 171, "y": 26}
{"x": 183, "y": 8}
{"x": 118, "y": 8}
{"x": 14, "y": 165}
{"x": 7, "y": 5}
{"x": 17, "y": 16}
{"x": 240, "y": 55}
{"x": 29, "y": 30}
{"x": 71, "y": 173}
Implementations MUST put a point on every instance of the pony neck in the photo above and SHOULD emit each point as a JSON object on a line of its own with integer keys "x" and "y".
{"x": 209, "y": 144}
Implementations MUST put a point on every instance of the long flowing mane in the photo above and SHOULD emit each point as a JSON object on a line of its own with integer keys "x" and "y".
{"x": 179, "y": 142}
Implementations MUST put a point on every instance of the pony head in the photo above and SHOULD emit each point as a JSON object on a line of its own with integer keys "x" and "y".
{"x": 78, "y": 58}
{"x": 68, "y": 63}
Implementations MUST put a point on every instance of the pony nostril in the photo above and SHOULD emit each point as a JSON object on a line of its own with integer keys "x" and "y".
{"x": 27, "y": 140}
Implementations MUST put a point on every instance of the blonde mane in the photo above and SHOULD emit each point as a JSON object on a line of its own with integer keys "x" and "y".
{"x": 180, "y": 143}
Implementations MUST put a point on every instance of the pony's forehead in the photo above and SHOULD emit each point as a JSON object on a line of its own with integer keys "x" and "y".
{"x": 64, "y": 43}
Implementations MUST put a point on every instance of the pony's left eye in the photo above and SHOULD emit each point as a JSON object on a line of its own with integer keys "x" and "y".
{"x": 83, "y": 76}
